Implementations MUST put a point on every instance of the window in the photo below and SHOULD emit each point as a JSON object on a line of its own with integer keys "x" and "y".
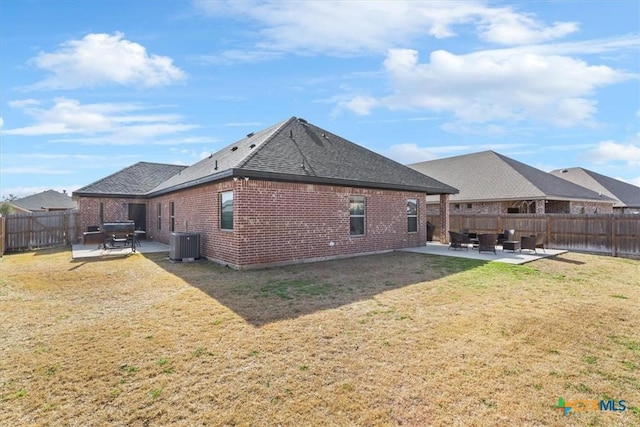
{"x": 172, "y": 216}
{"x": 356, "y": 215}
{"x": 226, "y": 210}
{"x": 469, "y": 205}
{"x": 412, "y": 215}
{"x": 159, "y": 216}
{"x": 456, "y": 206}
{"x": 101, "y": 213}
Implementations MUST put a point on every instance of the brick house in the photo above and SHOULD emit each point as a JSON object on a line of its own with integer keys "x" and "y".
{"x": 290, "y": 193}
{"x": 625, "y": 195}
{"x": 491, "y": 183}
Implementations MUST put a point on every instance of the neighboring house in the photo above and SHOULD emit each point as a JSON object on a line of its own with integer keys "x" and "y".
{"x": 290, "y": 193}
{"x": 46, "y": 201}
{"x": 626, "y": 196}
{"x": 490, "y": 183}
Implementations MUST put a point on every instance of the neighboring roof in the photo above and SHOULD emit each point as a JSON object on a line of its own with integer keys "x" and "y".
{"x": 625, "y": 194}
{"x": 295, "y": 150}
{"x": 488, "y": 175}
{"x": 134, "y": 180}
{"x": 49, "y": 199}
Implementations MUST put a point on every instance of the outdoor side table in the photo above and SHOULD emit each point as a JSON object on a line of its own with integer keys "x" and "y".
{"x": 510, "y": 245}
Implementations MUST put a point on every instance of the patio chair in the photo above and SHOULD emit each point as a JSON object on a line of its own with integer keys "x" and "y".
{"x": 506, "y": 236}
{"x": 459, "y": 240}
{"x": 487, "y": 242}
{"x": 533, "y": 242}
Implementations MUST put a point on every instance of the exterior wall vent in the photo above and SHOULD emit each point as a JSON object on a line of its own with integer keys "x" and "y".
{"x": 184, "y": 247}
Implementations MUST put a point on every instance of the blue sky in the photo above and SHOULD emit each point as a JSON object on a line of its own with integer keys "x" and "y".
{"x": 90, "y": 87}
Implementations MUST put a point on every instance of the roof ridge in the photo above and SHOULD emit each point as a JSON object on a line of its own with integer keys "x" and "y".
{"x": 277, "y": 130}
{"x": 505, "y": 159}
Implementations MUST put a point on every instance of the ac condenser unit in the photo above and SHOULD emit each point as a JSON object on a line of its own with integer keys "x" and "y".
{"x": 184, "y": 246}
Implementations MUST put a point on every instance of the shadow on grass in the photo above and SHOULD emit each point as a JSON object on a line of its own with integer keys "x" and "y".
{"x": 275, "y": 294}
{"x": 565, "y": 260}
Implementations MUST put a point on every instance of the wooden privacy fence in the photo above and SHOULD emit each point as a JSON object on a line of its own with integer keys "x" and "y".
{"x": 39, "y": 230}
{"x": 617, "y": 235}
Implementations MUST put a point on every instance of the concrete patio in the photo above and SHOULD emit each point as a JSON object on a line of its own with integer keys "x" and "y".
{"x": 97, "y": 251}
{"x": 509, "y": 257}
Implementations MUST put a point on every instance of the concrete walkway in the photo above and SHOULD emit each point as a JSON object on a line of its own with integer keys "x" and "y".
{"x": 508, "y": 257}
{"x": 95, "y": 251}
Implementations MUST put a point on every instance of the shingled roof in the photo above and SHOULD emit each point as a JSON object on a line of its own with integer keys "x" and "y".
{"x": 49, "y": 199}
{"x": 489, "y": 176}
{"x": 134, "y": 180}
{"x": 295, "y": 150}
{"x": 625, "y": 194}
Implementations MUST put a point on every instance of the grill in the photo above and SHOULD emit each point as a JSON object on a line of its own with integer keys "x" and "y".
{"x": 119, "y": 234}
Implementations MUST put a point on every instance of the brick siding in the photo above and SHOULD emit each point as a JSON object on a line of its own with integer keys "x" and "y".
{"x": 276, "y": 222}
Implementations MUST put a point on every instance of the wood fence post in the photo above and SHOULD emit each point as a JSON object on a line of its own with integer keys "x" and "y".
{"x": 614, "y": 240}
{"x": 65, "y": 228}
{"x": 548, "y": 229}
{"x": 3, "y": 224}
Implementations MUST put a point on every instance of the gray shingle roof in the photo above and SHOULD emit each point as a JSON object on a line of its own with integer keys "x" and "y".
{"x": 49, "y": 199}
{"x": 625, "y": 194}
{"x": 134, "y": 180}
{"x": 295, "y": 150}
{"x": 488, "y": 175}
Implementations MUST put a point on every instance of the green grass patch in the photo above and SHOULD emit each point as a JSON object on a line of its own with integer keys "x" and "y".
{"x": 201, "y": 351}
{"x": 155, "y": 393}
{"x": 291, "y": 288}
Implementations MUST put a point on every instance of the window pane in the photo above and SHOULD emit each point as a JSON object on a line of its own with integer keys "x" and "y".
{"x": 357, "y": 225}
{"x": 172, "y": 213}
{"x": 412, "y": 207}
{"x": 356, "y": 205}
{"x": 356, "y": 215}
{"x": 412, "y": 215}
{"x": 226, "y": 211}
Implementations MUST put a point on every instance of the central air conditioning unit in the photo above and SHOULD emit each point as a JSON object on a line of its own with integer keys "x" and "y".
{"x": 184, "y": 246}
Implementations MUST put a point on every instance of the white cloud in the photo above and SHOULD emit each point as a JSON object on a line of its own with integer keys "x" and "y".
{"x": 493, "y": 85}
{"x": 354, "y": 27}
{"x": 20, "y": 170}
{"x": 612, "y": 151}
{"x": 507, "y": 27}
{"x": 409, "y": 153}
{"x": 632, "y": 181}
{"x": 100, "y": 59}
{"x": 237, "y": 56}
{"x": 107, "y": 123}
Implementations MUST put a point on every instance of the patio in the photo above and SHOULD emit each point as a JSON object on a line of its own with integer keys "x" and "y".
{"x": 508, "y": 257}
{"x": 96, "y": 251}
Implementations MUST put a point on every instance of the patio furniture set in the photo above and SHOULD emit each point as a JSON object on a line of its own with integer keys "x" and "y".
{"x": 487, "y": 242}
{"x": 113, "y": 235}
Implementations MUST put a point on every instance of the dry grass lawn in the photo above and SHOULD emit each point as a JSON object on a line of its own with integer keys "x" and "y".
{"x": 394, "y": 339}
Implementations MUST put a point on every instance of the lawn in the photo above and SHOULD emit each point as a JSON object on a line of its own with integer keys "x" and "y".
{"x": 392, "y": 339}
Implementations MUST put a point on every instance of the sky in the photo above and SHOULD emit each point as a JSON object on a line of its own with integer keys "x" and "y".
{"x": 90, "y": 87}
